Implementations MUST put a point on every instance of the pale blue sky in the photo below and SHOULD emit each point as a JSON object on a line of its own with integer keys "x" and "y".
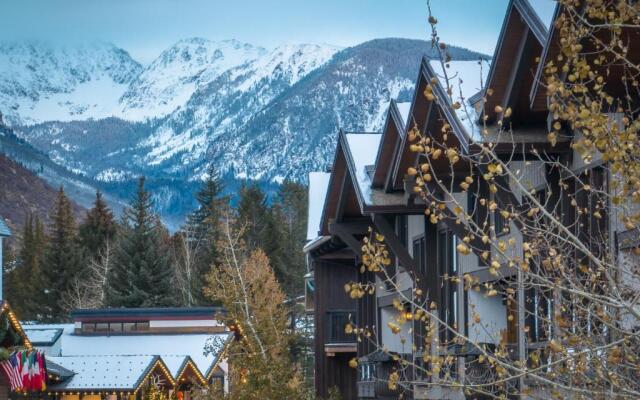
{"x": 146, "y": 27}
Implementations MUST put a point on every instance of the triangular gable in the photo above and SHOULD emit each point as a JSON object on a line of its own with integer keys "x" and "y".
{"x": 428, "y": 116}
{"x": 537, "y": 95}
{"x": 552, "y": 52}
{"x": 20, "y": 338}
{"x": 190, "y": 372}
{"x": 392, "y": 132}
{"x": 511, "y": 76}
{"x": 341, "y": 196}
{"x": 157, "y": 368}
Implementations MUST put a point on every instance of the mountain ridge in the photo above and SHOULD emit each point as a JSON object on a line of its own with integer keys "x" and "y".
{"x": 267, "y": 118}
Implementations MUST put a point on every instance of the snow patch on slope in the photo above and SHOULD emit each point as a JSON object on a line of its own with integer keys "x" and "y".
{"x": 170, "y": 80}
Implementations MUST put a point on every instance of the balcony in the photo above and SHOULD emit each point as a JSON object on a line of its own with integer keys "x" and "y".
{"x": 336, "y": 340}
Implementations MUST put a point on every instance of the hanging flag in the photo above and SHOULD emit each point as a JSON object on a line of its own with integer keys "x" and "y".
{"x": 42, "y": 372}
{"x": 24, "y": 371}
{"x": 11, "y": 369}
{"x": 32, "y": 370}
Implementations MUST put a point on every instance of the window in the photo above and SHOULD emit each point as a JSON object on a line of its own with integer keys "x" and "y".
{"x": 539, "y": 308}
{"x": 114, "y": 327}
{"x": 336, "y": 321}
{"x": 142, "y": 326}
{"x": 447, "y": 266}
{"x": 128, "y": 326}
{"x": 501, "y": 225}
{"x": 367, "y": 372}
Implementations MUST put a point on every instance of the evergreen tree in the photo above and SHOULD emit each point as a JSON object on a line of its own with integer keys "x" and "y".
{"x": 98, "y": 227}
{"x": 64, "y": 259}
{"x": 141, "y": 273}
{"x": 195, "y": 245}
{"x": 290, "y": 209}
{"x": 9, "y": 267}
{"x": 32, "y": 258}
{"x": 261, "y": 230}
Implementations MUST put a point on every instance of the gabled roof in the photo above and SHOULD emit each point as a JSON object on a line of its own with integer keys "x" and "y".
{"x": 181, "y": 366}
{"x": 428, "y": 116}
{"x": 4, "y": 229}
{"x": 394, "y": 127}
{"x": 351, "y": 192}
{"x": 166, "y": 346}
{"x": 522, "y": 37}
{"x": 615, "y": 71}
{"x": 361, "y": 150}
{"x": 537, "y": 95}
{"x": 15, "y": 326}
{"x": 108, "y": 373}
{"x": 340, "y": 189}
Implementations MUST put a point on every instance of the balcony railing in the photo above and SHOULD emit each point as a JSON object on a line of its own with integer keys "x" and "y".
{"x": 336, "y": 322}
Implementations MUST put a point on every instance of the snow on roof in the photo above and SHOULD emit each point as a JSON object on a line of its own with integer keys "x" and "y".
{"x": 42, "y": 336}
{"x": 363, "y": 148}
{"x": 545, "y": 10}
{"x": 104, "y": 372}
{"x": 318, "y": 185}
{"x": 167, "y": 346}
{"x": 404, "y": 109}
{"x": 466, "y": 78}
{"x": 192, "y": 345}
{"x": 175, "y": 363}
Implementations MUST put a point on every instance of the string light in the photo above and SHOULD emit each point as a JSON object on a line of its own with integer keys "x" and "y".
{"x": 196, "y": 371}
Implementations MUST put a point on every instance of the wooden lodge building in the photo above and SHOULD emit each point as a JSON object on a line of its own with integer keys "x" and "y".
{"x": 367, "y": 186}
{"x": 117, "y": 353}
{"x": 114, "y": 354}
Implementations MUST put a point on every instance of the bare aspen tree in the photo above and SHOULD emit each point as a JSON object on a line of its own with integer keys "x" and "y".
{"x": 185, "y": 250}
{"x": 564, "y": 257}
{"x": 259, "y": 358}
{"x": 89, "y": 291}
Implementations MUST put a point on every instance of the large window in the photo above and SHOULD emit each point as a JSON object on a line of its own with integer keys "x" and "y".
{"x": 114, "y": 327}
{"x": 447, "y": 266}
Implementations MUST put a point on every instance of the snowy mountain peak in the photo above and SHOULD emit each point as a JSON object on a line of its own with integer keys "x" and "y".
{"x": 290, "y": 62}
{"x": 40, "y": 81}
{"x": 172, "y": 78}
{"x": 239, "y": 107}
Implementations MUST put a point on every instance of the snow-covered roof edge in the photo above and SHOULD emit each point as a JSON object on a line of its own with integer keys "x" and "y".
{"x": 318, "y": 187}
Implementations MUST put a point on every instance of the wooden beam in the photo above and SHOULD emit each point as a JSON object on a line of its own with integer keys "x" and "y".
{"x": 342, "y": 199}
{"x": 508, "y": 95}
{"x": 355, "y": 227}
{"x": 346, "y": 235}
{"x": 396, "y": 246}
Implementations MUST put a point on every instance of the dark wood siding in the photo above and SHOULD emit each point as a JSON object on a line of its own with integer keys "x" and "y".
{"x": 330, "y": 278}
{"x": 366, "y": 317}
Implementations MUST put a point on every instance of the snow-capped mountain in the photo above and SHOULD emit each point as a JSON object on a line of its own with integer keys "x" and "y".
{"x": 257, "y": 114}
{"x": 170, "y": 81}
{"x": 40, "y": 82}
